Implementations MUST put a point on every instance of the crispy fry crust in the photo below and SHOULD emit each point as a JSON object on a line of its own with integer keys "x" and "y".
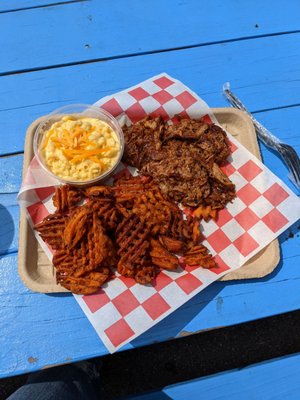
{"x": 172, "y": 245}
{"x": 65, "y": 197}
{"x": 75, "y": 227}
{"x": 161, "y": 257}
{"x": 99, "y": 192}
{"x": 205, "y": 212}
{"x": 51, "y": 230}
{"x": 199, "y": 256}
{"x": 130, "y": 226}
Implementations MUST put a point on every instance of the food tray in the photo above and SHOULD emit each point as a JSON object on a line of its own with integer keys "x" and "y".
{"x": 36, "y": 270}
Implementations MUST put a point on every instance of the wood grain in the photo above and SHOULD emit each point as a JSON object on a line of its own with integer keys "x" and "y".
{"x": 25, "y": 97}
{"x": 82, "y": 31}
{"x": 249, "y": 44}
{"x": 7, "y": 6}
{"x": 270, "y": 380}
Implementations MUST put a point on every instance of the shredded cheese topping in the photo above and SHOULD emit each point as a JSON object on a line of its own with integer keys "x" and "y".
{"x": 80, "y": 149}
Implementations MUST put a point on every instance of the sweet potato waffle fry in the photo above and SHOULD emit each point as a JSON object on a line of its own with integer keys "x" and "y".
{"x": 51, "y": 230}
{"x": 205, "y": 212}
{"x": 65, "y": 197}
{"x": 131, "y": 227}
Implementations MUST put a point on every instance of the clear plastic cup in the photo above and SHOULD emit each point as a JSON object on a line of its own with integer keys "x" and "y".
{"x": 77, "y": 111}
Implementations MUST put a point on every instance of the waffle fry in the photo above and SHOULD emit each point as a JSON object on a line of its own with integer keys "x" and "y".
{"x": 199, "y": 256}
{"x": 75, "y": 227}
{"x": 88, "y": 283}
{"x": 181, "y": 229}
{"x": 65, "y": 197}
{"x": 161, "y": 257}
{"x": 125, "y": 270}
{"x": 172, "y": 245}
{"x": 99, "y": 192}
{"x": 132, "y": 240}
{"x": 51, "y": 230}
{"x": 205, "y": 212}
{"x": 106, "y": 212}
{"x": 153, "y": 211}
{"x": 84, "y": 253}
{"x": 131, "y": 227}
{"x": 146, "y": 274}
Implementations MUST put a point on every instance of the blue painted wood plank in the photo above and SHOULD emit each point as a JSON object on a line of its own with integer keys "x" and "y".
{"x": 103, "y": 29}
{"x": 9, "y": 226}
{"x": 10, "y": 181}
{"x": 11, "y": 173}
{"x": 50, "y": 325}
{"x": 265, "y": 73}
{"x": 39, "y": 329}
{"x": 24, "y": 5}
{"x": 270, "y": 380}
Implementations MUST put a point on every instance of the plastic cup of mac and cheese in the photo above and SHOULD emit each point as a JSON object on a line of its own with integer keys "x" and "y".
{"x": 79, "y": 144}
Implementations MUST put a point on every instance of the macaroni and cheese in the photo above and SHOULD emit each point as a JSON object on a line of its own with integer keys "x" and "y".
{"x": 80, "y": 149}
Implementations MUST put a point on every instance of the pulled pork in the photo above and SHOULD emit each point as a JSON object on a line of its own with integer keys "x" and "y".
{"x": 182, "y": 158}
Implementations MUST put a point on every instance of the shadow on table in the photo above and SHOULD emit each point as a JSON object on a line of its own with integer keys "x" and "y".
{"x": 175, "y": 323}
{"x": 7, "y": 231}
{"x": 151, "y": 396}
{"x": 64, "y": 294}
{"x": 290, "y": 233}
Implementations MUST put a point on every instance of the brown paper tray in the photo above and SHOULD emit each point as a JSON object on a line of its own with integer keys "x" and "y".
{"x": 36, "y": 270}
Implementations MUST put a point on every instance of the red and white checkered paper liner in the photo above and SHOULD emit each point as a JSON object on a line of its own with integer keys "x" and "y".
{"x": 264, "y": 207}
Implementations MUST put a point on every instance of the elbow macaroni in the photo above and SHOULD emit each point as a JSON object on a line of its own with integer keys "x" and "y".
{"x": 80, "y": 149}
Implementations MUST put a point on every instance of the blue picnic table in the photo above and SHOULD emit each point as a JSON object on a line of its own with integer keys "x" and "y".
{"x": 55, "y": 53}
